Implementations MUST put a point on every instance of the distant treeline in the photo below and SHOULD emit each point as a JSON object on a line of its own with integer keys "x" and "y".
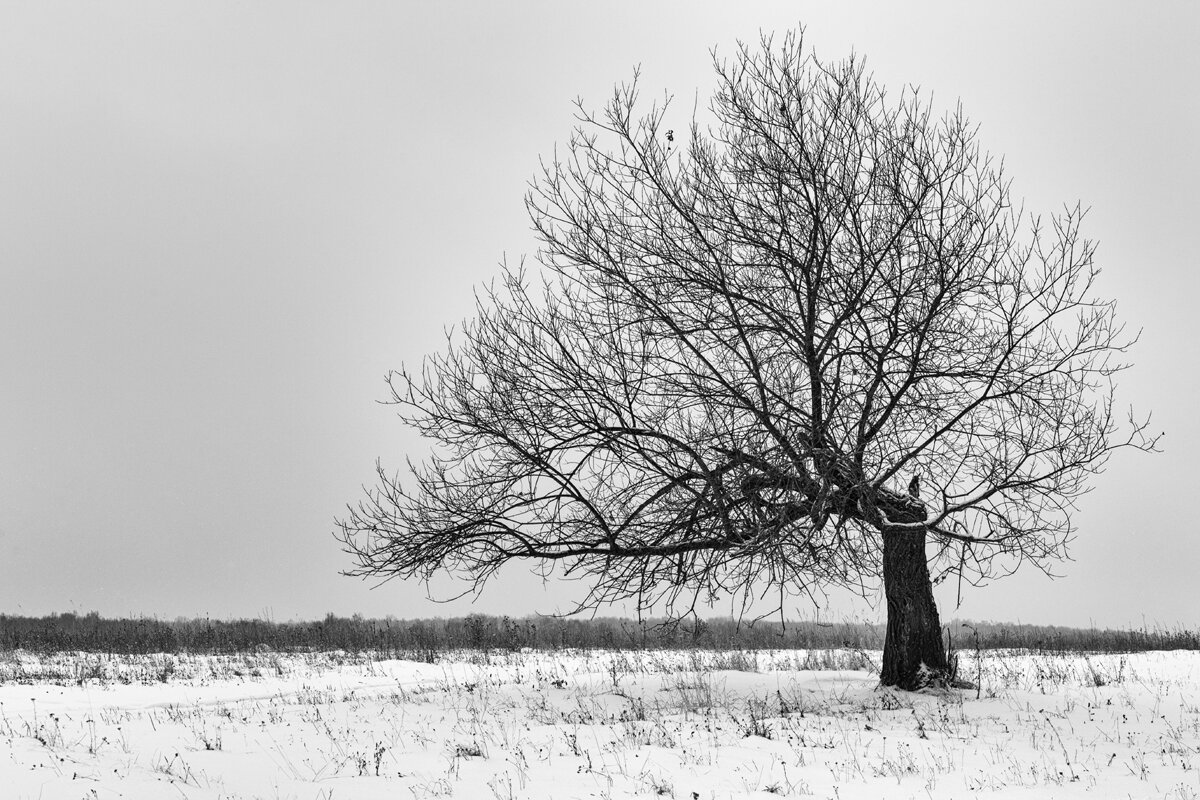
{"x": 424, "y": 638}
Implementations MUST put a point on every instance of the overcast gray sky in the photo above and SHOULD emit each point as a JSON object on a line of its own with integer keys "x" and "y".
{"x": 221, "y": 224}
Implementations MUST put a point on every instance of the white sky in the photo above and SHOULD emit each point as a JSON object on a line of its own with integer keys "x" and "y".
{"x": 222, "y": 223}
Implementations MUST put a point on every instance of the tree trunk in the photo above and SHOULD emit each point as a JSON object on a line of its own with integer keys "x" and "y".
{"x": 913, "y": 655}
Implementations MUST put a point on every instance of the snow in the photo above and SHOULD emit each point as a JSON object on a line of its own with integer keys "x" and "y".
{"x": 683, "y": 725}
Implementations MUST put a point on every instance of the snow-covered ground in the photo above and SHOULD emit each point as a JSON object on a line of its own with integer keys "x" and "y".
{"x": 686, "y": 725}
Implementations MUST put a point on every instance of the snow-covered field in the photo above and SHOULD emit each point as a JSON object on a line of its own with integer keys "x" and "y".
{"x": 687, "y": 725}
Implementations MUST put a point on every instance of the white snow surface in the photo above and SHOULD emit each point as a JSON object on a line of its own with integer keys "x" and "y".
{"x": 688, "y": 725}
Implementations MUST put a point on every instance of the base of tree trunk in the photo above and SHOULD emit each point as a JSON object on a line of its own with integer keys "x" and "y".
{"x": 914, "y": 657}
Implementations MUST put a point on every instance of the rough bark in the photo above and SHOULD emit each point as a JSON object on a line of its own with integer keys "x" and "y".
{"x": 913, "y": 655}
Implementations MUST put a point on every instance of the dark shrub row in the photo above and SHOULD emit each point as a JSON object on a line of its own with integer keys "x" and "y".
{"x": 426, "y": 637}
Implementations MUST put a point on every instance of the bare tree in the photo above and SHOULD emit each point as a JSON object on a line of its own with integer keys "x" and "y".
{"x": 744, "y": 343}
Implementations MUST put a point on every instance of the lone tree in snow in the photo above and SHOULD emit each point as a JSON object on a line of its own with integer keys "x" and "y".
{"x": 809, "y": 344}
